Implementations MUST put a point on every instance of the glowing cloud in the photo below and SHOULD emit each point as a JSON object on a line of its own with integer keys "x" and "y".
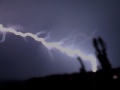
{"x": 54, "y": 45}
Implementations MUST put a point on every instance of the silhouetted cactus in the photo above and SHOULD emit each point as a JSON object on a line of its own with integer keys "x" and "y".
{"x": 100, "y": 47}
{"x": 82, "y": 69}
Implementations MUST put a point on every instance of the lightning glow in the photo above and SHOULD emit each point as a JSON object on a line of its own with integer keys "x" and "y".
{"x": 54, "y": 45}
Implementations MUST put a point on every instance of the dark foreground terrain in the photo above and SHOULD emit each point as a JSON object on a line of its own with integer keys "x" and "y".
{"x": 100, "y": 79}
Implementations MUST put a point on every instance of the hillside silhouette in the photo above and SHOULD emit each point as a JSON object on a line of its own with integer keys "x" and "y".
{"x": 105, "y": 77}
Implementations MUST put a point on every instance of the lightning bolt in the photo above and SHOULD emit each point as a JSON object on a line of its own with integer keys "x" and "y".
{"x": 54, "y": 45}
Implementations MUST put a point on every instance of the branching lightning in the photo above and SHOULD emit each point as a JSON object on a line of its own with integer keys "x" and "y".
{"x": 3, "y": 37}
{"x": 52, "y": 45}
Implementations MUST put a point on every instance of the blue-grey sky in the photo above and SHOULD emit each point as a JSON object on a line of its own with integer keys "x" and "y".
{"x": 81, "y": 19}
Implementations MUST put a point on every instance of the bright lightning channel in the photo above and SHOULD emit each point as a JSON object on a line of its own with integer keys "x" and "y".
{"x": 68, "y": 51}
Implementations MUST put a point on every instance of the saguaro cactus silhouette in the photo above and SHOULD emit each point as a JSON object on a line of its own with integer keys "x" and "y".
{"x": 100, "y": 47}
{"x": 82, "y": 70}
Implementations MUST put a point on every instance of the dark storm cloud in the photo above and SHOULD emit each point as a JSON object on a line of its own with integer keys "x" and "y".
{"x": 20, "y": 59}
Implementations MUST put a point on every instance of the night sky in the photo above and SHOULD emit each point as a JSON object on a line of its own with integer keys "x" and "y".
{"x": 78, "y": 20}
